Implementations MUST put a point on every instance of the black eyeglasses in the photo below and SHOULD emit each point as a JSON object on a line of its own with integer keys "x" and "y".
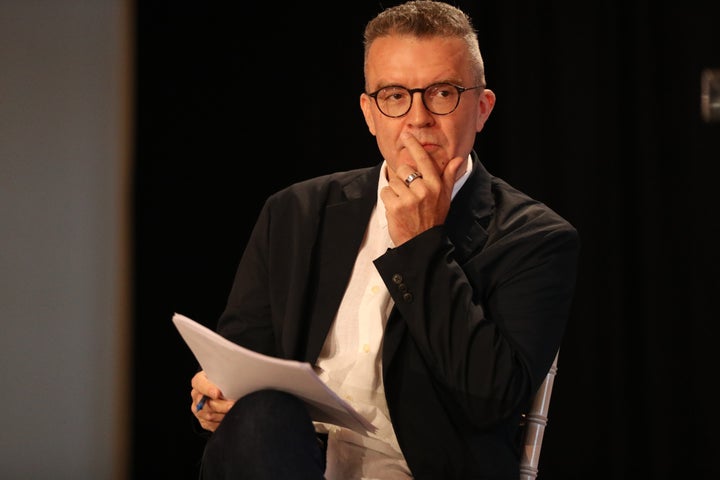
{"x": 439, "y": 98}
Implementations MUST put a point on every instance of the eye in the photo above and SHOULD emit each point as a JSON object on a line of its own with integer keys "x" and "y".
{"x": 392, "y": 94}
{"x": 441, "y": 90}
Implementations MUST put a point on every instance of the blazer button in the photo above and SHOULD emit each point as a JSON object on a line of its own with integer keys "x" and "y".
{"x": 407, "y": 297}
{"x": 402, "y": 287}
{"x": 397, "y": 278}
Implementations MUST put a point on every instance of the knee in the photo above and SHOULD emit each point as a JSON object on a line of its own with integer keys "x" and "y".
{"x": 259, "y": 429}
{"x": 260, "y": 414}
{"x": 263, "y": 403}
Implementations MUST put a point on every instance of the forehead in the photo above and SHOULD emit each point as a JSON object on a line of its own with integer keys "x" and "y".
{"x": 416, "y": 62}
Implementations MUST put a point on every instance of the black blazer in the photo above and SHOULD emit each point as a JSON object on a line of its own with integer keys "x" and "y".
{"x": 481, "y": 305}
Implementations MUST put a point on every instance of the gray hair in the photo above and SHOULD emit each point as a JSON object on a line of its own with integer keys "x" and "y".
{"x": 425, "y": 19}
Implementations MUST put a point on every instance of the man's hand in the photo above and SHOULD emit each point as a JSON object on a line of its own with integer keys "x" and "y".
{"x": 422, "y": 203}
{"x": 215, "y": 406}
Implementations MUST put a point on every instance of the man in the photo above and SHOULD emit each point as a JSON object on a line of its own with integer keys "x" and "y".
{"x": 430, "y": 294}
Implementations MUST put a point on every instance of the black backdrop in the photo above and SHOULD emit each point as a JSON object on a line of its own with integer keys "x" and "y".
{"x": 597, "y": 115}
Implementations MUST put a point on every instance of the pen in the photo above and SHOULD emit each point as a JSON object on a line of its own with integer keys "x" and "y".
{"x": 201, "y": 403}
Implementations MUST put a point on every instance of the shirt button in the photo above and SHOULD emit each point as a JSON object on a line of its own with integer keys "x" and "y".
{"x": 366, "y": 348}
{"x": 375, "y": 289}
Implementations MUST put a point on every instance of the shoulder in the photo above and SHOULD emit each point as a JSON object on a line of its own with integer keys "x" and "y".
{"x": 520, "y": 215}
{"x": 339, "y": 179}
{"x": 321, "y": 190}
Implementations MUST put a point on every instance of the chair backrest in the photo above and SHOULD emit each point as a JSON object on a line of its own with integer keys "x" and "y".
{"x": 535, "y": 422}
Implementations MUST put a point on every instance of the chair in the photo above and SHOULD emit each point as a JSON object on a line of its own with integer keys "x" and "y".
{"x": 535, "y": 421}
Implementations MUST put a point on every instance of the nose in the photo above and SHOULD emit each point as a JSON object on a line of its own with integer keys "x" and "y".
{"x": 419, "y": 115}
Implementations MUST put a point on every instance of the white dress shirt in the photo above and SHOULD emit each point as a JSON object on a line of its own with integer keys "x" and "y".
{"x": 350, "y": 363}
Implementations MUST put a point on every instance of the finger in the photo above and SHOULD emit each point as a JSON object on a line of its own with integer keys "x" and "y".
{"x": 199, "y": 402}
{"x": 403, "y": 181}
{"x": 410, "y": 179}
{"x": 210, "y": 406}
{"x": 212, "y": 413}
{"x": 209, "y": 425}
{"x": 196, "y": 395}
{"x": 397, "y": 184}
{"x": 450, "y": 174}
{"x": 201, "y": 383}
{"x": 220, "y": 406}
{"x": 210, "y": 421}
{"x": 424, "y": 162}
{"x": 389, "y": 196}
{"x": 198, "y": 380}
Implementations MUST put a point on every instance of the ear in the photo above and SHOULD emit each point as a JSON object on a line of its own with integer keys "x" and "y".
{"x": 486, "y": 104}
{"x": 366, "y": 107}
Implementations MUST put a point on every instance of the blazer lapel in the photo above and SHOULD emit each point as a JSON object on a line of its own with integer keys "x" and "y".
{"x": 470, "y": 213}
{"x": 341, "y": 233}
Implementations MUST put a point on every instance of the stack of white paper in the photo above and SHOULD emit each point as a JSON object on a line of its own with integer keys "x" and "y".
{"x": 238, "y": 371}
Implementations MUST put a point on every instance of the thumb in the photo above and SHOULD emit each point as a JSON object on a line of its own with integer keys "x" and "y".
{"x": 450, "y": 172}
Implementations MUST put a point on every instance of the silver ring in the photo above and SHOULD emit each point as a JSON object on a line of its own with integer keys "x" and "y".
{"x": 410, "y": 178}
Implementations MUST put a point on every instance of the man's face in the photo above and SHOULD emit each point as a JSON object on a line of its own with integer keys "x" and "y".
{"x": 413, "y": 62}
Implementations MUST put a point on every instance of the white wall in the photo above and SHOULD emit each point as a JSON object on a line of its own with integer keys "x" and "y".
{"x": 64, "y": 238}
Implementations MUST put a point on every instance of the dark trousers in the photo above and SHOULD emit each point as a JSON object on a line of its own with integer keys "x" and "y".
{"x": 267, "y": 435}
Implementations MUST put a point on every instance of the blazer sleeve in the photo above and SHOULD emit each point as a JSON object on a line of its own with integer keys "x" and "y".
{"x": 487, "y": 325}
{"x": 246, "y": 319}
